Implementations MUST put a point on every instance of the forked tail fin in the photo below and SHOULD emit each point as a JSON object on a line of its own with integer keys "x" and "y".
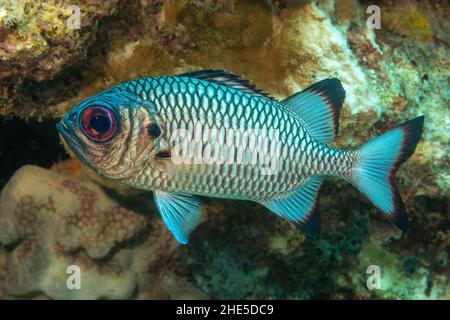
{"x": 379, "y": 160}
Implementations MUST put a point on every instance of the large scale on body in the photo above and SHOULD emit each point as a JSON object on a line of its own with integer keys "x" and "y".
{"x": 146, "y": 113}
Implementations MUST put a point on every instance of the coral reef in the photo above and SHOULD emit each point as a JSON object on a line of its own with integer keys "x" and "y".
{"x": 180, "y": 36}
{"x": 49, "y": 221}
{"x": 36, "y": 42}
{"x": 390, "y": 75}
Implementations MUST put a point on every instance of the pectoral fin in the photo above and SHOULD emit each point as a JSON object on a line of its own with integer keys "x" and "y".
{"x": 180, "y": 212}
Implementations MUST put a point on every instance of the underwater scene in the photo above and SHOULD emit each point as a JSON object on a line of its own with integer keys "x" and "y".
{"x": 224, "y": 149}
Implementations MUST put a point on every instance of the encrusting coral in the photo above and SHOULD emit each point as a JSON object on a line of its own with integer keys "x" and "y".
{"x": 405, "y": 19}
{"x": 36, "y": 40}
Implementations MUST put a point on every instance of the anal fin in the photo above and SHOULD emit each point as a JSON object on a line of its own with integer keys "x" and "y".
{"x": 300, "y": 208}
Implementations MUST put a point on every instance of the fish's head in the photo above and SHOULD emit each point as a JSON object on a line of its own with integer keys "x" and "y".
{"x": 109, "y": 132}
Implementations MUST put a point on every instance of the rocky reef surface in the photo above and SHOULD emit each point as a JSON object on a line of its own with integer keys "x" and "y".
{"x": 390, "y": 74}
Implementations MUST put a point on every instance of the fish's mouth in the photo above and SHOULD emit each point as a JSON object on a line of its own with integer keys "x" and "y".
{"x": 70, "y": 140}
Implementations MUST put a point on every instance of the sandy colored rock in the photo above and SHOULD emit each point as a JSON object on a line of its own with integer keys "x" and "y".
{"x": 54, "y": 222}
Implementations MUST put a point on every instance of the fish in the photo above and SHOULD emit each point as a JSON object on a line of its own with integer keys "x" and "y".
{"x": 212, "y": 133}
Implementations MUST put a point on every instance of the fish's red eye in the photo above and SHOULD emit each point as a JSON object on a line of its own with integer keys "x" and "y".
{"x": 99, "y": 123}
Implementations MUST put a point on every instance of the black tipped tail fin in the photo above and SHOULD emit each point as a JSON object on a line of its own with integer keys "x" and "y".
{"x": 379, "y": 159}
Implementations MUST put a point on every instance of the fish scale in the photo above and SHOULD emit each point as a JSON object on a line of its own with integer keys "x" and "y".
{"x": 171, "y": 97}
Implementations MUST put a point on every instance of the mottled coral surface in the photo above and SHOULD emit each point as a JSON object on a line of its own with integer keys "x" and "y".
{"x": 50, "y": 222}
{"x": 391, "y": 75}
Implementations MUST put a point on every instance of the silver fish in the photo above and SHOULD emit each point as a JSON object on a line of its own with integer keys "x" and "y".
{"x": 211, "y": 133}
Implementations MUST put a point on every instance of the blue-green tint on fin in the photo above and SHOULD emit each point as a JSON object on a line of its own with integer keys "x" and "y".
{"x": 379, "y": 159}
{"x": 228, "y": 79}
{"x": 180, "y": 213}
{"x": 319, "y": 106}
{"x": 300, "y": 208}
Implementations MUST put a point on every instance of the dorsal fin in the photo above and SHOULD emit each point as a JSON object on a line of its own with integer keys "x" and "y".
{"x": 319, "y": 106}
{"x": 227, "y": 79}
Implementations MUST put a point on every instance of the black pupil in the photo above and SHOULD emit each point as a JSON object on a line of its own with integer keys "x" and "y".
{"x": 153, "y": 130}
{"x": 100, "y": 123}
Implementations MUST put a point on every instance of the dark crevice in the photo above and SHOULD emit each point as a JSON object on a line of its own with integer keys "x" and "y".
{"x": 63, "y": 86}
{"x": 25, "y": 142}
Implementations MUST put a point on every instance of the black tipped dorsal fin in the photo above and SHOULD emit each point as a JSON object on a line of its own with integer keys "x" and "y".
{"x": 228, "y": 79}
{"x": 300, "y": 208}
{"x": 319, "y": 106}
